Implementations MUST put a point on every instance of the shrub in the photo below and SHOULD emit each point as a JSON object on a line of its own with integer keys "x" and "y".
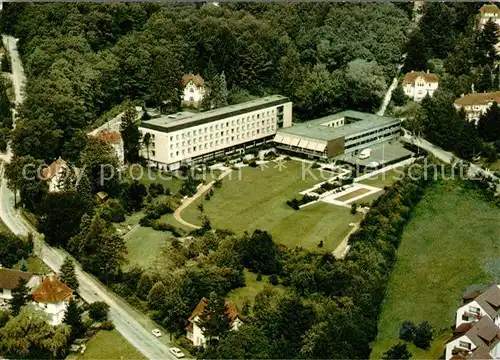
{"x": 218, "y": 183}
{"x": 160, "y": 226}
{"x": 113, "y": 211}
{"x": 253, "y": 163}
{"x": 98, "y": 311}
{"x": 423, "y": 336}
{"x": 320, "y": 244}
{"x": 407, "y": 331}
{"x": 273, "y": 279}
{"x": 156, "y": 189}
{"x": 354, "y": 208}
{"x": 107, "y": 325}
{"x": 315, "y": 165}
{"x": 259, "y": 277}
{"x": 296, "y": 203}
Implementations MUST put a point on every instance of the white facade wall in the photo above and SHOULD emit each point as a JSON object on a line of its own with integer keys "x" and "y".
{"x": 55, "y": 310}
{"x": 193, "y": 93}
{"x": 176, "y": 147}
{"x": 459, "y": 343}
{"x": 5, "y": 295}
{"x": 463, "y": 314}
{"x": 419, "y": 89}
{"x": 485, "y": 17}
{"x": 197, "y": 336}
{"x": 474, "y": 112}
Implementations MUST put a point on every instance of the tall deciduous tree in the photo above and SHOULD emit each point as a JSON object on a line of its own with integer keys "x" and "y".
{"x": 214, "y": 321}
{"x": 30, "y": 336}
{"x": 131, "y": 135}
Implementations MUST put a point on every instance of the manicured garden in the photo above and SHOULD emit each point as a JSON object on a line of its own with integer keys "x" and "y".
{"x": 450, "y": 243}
{"x": 255, "y": 198}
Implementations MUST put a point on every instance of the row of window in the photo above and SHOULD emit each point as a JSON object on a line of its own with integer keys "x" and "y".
{"x": 212, "y": 144}
{"x": 201, "y": 139}
{"x": 394, "y": 126}
{"x": 265, "y": 118}
{"x": 373, "y": 138}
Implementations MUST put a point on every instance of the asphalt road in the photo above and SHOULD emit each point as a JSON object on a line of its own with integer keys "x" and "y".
{"x": 91, "y": 290}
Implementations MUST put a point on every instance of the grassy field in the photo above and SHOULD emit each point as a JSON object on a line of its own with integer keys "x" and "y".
{"x": 450, "y": 243}
{"x": 352, "y": 194}
{"x": 108, "y": 345}
{"x": 256, "y": 199}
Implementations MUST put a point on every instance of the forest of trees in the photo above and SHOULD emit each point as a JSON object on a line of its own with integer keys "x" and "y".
{"x": 82, "y": 59}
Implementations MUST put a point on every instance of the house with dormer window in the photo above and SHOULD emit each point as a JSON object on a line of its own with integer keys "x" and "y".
{"x": 194, "y": 90}
{"x": 418, "y": 84}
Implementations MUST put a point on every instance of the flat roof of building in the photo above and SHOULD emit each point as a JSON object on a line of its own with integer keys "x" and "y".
{"x": 185, "y": 119}
{"x": 358, "y": 122}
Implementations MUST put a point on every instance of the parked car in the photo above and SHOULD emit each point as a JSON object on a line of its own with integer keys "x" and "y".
{"x": 177, "y": 352}
{"x": 156, "y": 332}
{"x": 365, "y": 154}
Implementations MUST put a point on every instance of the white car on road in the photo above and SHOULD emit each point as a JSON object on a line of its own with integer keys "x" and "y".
{"x": 177, "y": 352}
{"x": 156, "y": 332}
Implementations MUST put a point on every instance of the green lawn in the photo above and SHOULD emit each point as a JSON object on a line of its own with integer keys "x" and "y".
{"x": 255, "y": 198}
{"x": 35, "y": 265}
{"x": 149, "y": 175}
{"x": 251, "y": 289}
{"x": 143, "y": 243}
{"x": 108, "y": 345}
{"x": 450, "y": 243}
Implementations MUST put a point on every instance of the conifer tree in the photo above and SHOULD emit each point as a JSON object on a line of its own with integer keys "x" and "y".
{"x": 68, "y": 274}
{"x": 20, "y": 296}
{"x": 131, "y": 135}
{"x": 214, "y": 321}
{"x": 73, "y": 318}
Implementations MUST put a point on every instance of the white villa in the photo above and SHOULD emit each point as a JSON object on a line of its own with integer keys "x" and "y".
{"x": 55, "y": 174}
{"x": 194, "y": 90}
{"x": 9, "y": 280}
{"x": 52, "y": 297}
{"x": 418, "y": 84}
{"x": 195, "y": 333}
{"x": 489, "y": 12}
{"x": 477, "y": 327}
{"x": 476, "y": 104}
{"x": 113, "y": 138}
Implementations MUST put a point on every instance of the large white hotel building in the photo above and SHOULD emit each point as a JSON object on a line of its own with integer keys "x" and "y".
{"x": 190, "y": 138}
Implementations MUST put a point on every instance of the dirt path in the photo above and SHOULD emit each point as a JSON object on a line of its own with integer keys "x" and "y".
{"x": 188, "y": 201}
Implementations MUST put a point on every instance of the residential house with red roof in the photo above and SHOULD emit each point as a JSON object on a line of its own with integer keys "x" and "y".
{"x": 418, "y": 84}
{"x": 195, "y": 332}
{"x": 52, "y": 297}
{"x": 476, "y": 104}
{"x": 194, "y": 90}
{"x": 114, "y": 139}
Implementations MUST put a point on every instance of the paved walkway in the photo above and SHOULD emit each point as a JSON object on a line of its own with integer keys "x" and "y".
{"x": 188, "y": 201}
{"x": 342, "y": 249}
